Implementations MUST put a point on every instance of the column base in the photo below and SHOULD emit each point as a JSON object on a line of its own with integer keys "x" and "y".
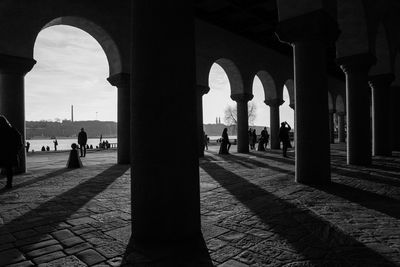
{"x": 188, "y": 252}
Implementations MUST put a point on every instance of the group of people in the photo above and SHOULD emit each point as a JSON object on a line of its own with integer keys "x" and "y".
{"x": 262, "y": 141}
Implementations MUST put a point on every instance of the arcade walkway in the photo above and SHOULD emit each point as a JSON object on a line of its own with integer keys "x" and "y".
{"x": 253, "y": 214}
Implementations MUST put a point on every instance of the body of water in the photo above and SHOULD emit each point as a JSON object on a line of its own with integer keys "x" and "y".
{"x": 63, "y": 144}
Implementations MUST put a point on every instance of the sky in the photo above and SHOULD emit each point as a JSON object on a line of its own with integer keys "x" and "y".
{"x": 72, "y": 69}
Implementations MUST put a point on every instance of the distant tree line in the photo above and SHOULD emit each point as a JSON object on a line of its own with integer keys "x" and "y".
{"x": 67, "y": 128}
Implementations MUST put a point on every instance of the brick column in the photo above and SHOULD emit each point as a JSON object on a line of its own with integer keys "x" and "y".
{"x": 358, "y": 94}
{"x": 242, "y": 121}
{"x": 309, "y": 34}
{"x": 274, "y": 121}
{"x": 12, "y": 96}
{"x": 165, "y": 182}
{"x": 122, "y": 82}
{"x": 381, "y": 114}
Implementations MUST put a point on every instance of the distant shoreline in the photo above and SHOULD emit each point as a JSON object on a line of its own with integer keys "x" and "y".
{"x": 65, "y": 137}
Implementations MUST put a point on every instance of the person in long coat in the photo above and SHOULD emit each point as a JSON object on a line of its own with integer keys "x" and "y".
{"x": 225, "y": 144}
{"x": 284, "y": 137}
{"x": 82, "y": 140}
{"x": 11, "y": 145}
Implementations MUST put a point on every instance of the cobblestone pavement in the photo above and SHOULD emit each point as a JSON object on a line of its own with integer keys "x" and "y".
{"x": 253, "y": 213}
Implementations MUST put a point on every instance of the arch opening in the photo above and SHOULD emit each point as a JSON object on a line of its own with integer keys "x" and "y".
{"x": 71, "y": 70}
{"x": 102, "y": 37}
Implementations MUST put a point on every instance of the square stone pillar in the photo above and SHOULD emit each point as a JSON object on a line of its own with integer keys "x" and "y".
{"x": 12, "y": 96}
{"x": 165, "y": 182}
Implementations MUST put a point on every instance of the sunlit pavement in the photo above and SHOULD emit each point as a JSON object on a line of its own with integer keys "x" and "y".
{"x": 253, "y": 213}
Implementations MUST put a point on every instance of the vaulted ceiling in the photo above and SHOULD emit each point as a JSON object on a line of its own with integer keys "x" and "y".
{"x": 255, "y": 20}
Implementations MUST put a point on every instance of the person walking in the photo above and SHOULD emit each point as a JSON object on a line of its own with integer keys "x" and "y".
{"x": 28, "y": 145}
{"x": 12, "y": 143}
{"x": 266, "y": 137}
{"x": 284, "y": 137}
{"x": 82, "y": 140}
{"x": 251, "y": 140}
{"x": 225, "y": 144}
{"x": 205, "y": 140}
{"x": 254, "y": 138}
{"x": 55, "y": 144}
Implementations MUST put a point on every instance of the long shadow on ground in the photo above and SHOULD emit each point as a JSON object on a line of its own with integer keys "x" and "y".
{"x": 310, "y": 235}
{"x": 36, "y": 180}
{"x": 61, "y": 207}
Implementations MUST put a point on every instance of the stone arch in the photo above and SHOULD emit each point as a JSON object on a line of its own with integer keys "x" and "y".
{"x": 102, "y": 37}
{"x": 340, "y": 106}
{"x": 233, "y": 73}
{"x": 290, "y": 87}
{"x": 268, "y": 84}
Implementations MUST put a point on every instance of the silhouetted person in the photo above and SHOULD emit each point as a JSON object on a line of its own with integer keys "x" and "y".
{"x": 254, "y": 138}
{"x": 251, "y": 140}
{"x": 225, "y": 144}
{"x": 43, "y": 148}
{"x": 55, "y": 144}
{"x": 91, "y": 147}
{"x": 284, "y": 137}
{"x": 82, "y": 140}
{"x": 205, "y": 140}
{"x": 47, "y": 148}
{"x": 265, "y": 136}
{"x": 28, "y": 145}
{"x": 11, "y": 144}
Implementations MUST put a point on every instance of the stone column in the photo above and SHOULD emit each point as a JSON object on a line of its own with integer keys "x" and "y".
{"x": 309, "y": 35}
{"x": 381, "y": 114}
{"x": 341, "y": 127}
{"x": 331, "y": 126}
{"x": 274, "y": 121}
{"x": 12, "y": 96}
{"x": 359, "y": 146}
{"x": 242, "y": 121}
{"x": 165, "y": 181}
{"x": 201, "y": 91}
{"x": 122, "y": 82}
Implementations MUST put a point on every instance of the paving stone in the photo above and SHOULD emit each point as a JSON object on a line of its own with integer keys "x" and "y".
{"x": 6, "y": 246}
{"x": 78, "y": 248}
{"x": 10, "y": 256}
{"x": 107, "y": 251}
{"x": 63, "y": 234}
{"x": 115, "y": 262}
{"x": 69, "y": 261}
{"x": 69, "y": 242}
{"x": 233, "y": 263}
{"x": 39, "y": 245}
{"x": 252, "y": 213}
{"x": 49, "y": 257}
{"x": 122, "y": 234}
{"x": 31, "y": 240}
{"x": 22, "y": 264}
{"x": 45, "y": 250}
{"x": 7, "y": 238}
{"x": 90, "y": 256}
{"x": 79, "y": 221}
{"x": 25, "y": 234}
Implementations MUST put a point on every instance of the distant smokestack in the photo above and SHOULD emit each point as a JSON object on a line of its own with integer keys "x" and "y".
{"x": 72, "y": 113}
